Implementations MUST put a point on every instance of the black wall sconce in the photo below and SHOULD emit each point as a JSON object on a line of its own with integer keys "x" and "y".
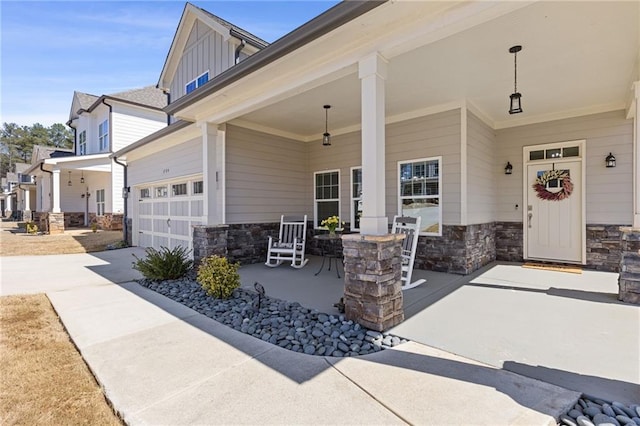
{"x": 326, "y": 136}
{"x": 610, "y": 161}
{"x": 508, "y": 169}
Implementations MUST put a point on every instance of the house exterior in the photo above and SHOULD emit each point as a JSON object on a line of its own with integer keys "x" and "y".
{"x": 419, "y": 124}
{"x": 17, "y": 193}
{"x": 84, "y": 186}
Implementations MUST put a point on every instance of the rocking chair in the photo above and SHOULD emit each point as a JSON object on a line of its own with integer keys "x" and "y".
{"x": 289, "y": 246}
{"x": 410, "y": 227}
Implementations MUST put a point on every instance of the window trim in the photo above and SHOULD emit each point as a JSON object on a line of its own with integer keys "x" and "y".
{"x": 316, "y": 219}
{"x": 352, "y": 198}
{"x": 439, "y": 196}
{"x": 196, "y": 83}
{"x": 103, "y": 139}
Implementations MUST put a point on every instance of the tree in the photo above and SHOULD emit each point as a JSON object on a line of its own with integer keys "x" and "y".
{"x": 16, "y": 142}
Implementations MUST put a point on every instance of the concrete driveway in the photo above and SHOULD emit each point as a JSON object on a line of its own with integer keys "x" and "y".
{"x": 41, "y": 274}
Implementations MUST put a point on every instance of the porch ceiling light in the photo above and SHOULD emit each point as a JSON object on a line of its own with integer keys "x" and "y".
{"x": 515, "y": 105}
{"x": 326, "y": 136}
{"x": 610, "y": 160}
{"x": 69, "y": 183}
{"x": 508, "y": 169}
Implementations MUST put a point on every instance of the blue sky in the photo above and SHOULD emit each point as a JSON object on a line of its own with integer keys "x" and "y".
{"x": 49, "y": 49}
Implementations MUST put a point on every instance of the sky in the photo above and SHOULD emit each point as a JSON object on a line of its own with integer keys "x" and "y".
{"x": 49, "y": 49}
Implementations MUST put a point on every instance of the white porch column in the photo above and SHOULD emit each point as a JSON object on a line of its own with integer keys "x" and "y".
{"x": 636, "y": 156}
{"x": 210, "y": 136}
{"x": 27, "y": 204}
{"x": 55, "y": 190}
{"x": 372, "y": 71}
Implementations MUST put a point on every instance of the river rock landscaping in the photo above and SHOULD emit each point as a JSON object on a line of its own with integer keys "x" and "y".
{"x": 282, "y": 323}
{"x": 591, "y": 411}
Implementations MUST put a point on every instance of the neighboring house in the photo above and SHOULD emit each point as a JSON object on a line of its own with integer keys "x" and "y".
{"x": 17, "y": 197}
{"x": 419, "y": 124}
{"x": 85, "y": 185}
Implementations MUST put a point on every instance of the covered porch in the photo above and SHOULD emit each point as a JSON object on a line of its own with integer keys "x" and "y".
{"x": 564, "y": 328}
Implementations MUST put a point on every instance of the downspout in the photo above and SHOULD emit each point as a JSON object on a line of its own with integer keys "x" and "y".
{"x": 126, "y": 188}
{"x": 239, "y": 49}
{"x": 168, "y": 102}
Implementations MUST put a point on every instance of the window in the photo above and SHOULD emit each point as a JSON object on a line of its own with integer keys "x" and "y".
{"x": 161, "y": 191}
{"x": 103, "y": 135}
{"x": 100, "y": 202}
{"x": 327, "y": 198}
{"x": 145, "y": 193}
{"x": 82, "y": 143}
{"x": 356, "y": 197}
{"x": 419, "y": 191}
{"x": 178, "y": 189}
{"x": 194, "y": 84}
{"x": 198, "y": 187}
{"x": 554, "y": 153}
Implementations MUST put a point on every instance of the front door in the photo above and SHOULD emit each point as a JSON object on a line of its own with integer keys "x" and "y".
{"x": 554, "y": 210}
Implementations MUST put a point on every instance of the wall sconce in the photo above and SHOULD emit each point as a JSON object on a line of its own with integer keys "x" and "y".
{"x": 69, "y": 182}
{"x": 508, "y": 169}
{"x": 326, "y": 136}
{"x": 610, "y": 161}
{"x": 82, "y": 177}
{"x": 515, "y": 106}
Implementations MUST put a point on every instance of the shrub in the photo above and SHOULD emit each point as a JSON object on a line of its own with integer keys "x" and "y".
{"x": 32, "y": 228}
{"x": 218, "y": 277}
{"x": 164, "y": 264}
{"x": 94, "y": 227}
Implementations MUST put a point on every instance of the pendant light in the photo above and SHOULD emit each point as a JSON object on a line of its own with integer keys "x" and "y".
{"x": 82, "y": 177}
{"x": 69, "y": 182}
{"x": 326, "y": 136}
{"x": 515, "y": 105}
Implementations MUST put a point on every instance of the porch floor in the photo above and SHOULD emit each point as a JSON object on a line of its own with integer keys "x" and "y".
{"x": 562, "y": 328}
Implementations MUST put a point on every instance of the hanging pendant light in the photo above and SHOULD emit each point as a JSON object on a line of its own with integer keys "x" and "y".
{"x": 69, "y": 182}
{"x": 515, "y": 105}
{"x": 82, "y": 177}
{"x": 326, "y": 136}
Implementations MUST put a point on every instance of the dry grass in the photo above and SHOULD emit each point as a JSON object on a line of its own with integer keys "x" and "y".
{"x": 14, "y": 241}
{"x": 44, "y": 380}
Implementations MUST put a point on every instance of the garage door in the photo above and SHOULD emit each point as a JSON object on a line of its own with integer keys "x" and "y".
{"x": 167, "y": 211}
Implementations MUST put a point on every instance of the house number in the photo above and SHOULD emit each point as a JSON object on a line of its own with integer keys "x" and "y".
{"x": 165, "y": 171}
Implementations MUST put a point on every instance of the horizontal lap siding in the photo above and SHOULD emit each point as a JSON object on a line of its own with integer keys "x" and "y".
{"x": 179, "y": 160}
{"x": 430, "y": 136}
{"x": 481, "y": 171}
{"x": 131, "y": 124}
{"x": 266, "y": 177}
{"x": 609, "y": 192}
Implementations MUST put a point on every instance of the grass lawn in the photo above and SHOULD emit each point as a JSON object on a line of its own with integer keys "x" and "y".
{"x": 43, "y": 378}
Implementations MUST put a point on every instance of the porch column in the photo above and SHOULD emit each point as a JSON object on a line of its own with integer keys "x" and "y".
{"x": 27, "y": 205}
{"x": 56, "y": 191}
{"x": 372, "y": 72}
{"x": 210, "y": 136}
{"x": 636, "y": 156}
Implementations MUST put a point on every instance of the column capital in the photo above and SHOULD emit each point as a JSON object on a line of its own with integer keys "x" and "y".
{"x": 374, "y": 64}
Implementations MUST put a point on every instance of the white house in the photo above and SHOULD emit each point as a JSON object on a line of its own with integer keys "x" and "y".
{"x": 419, "y": 124}
{"x": 17, "y": 193}
{"x": 86, "y": 187}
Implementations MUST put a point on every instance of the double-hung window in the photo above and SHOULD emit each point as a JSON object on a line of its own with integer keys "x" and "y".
{"x": 327, "y": 195}
{"x": 420, "y": 186}
{"x": 103, "y": 135}
{"x": 100, "y": 202}
{"x": 356, "y": 197}
{"x": 195, "y": 83}
{"x": 82, "y": 143}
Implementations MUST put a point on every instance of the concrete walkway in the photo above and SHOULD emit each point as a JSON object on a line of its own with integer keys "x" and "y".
{"x": 162, "y": 363}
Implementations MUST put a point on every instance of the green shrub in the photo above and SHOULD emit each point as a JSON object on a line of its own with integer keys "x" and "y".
{"x": 218, "y": 277}
{"x": 32, "y": 228}
{"x": 164, "y": 264}
{"x": 94, "y": 227}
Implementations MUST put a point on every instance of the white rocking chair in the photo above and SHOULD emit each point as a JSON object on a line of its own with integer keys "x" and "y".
{"x": 289, "y": 246}
{"x": 410, "y": 227}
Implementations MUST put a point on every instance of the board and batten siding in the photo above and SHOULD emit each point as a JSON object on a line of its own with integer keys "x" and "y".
{"x": 482, "y": 171}
{"x": 206, "y": 50}
{"x": 266, "y": 177}
{"x": 130, "y": 123}
{"x": 609, "y": 192}
{"x": 424, "y": 137}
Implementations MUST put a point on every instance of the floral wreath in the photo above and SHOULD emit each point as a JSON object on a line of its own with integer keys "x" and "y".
{"x": 540, "y": 185}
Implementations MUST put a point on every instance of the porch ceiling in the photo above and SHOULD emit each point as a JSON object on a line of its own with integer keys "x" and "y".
{"x": 577, "y": 58}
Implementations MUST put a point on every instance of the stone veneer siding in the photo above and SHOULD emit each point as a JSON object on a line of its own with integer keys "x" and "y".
{"x": 629, "y": 279}
{"x": 129, "y": 232}
{"x": 604, "y": 247}
{"x": 209, "y": 241}
{"x": 73, "y": 219}
{"x": 509, "y": 239}
{"x": 108, "y": 221}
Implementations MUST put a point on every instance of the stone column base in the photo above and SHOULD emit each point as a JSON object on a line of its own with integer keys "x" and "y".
{"x": 55, "y": 223}
{"x": 373, "y": 287}
{"x": 629, "y": 279}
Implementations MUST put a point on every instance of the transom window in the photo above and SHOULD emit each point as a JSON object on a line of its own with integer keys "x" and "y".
{"x": 145, "y": 193}
{"x": 420, "y": 183}
{"x": 554, "y": 153}
{"x": 82, "y": 143}
{"x": 327, "y": 195}
{"x": 356, "y": 197}
{"x": 100, "y": 202}
{"x": 178, "y": 189}
{"x": 161, "y": 191}
{"x": 198, "y": 187}
{"x": 103, "y": 135}
{"x": 194, "y": 84}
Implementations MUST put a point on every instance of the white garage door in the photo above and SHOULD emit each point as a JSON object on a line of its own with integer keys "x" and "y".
{"x": 167, "y": 211}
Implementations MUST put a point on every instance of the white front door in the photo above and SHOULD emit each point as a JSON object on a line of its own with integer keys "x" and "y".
{"x": 554, "y": 211}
